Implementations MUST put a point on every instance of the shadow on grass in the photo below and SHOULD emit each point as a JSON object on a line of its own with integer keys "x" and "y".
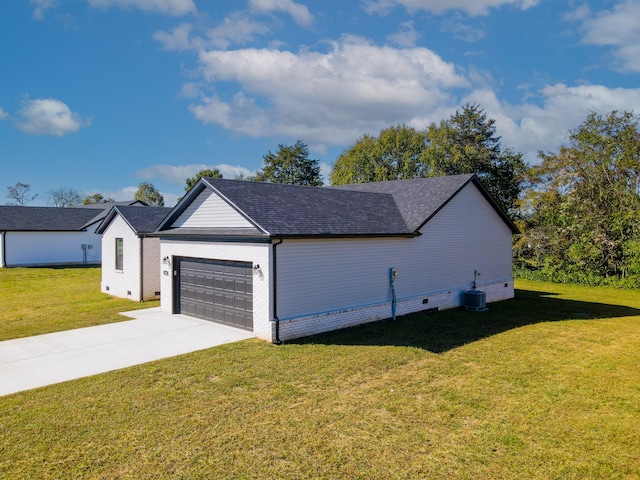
{"x": 439, "y": 332}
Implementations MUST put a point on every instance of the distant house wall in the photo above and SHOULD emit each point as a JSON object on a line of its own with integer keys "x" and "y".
{"x": 327, "y": 284}
{"x": 123, "y": 283}
{"x": 51, "y": 248}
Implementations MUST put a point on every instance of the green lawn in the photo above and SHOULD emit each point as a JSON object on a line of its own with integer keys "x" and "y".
{"x": 543, "y": 386}
{"x": 34, "y": 301}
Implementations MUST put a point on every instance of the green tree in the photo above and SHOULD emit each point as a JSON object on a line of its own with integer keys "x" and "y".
{"x": 96, "y": 198}
{"x": 19, "y": 194}
{"x": 215, "y": 173}
{"x": 290, "y": 164}
{"x": 465, "y": 143}
{"x": 396, "y": 154}
{"x": 64, "y": 196}
{"x": 149, "y": 195}
{"x": 583, "y": 204}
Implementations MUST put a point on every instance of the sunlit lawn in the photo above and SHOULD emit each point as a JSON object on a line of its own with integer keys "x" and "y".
{"x": 34, "y": 301}
{"x": 543, "y": 386}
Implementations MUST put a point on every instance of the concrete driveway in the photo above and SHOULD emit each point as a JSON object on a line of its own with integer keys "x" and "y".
{"x": 32, "y": 362}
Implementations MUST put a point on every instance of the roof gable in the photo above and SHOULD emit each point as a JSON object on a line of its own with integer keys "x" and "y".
{"x": 140, "y": 218}
{"x": 420, "y": 199}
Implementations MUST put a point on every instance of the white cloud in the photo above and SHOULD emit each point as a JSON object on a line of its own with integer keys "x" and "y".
{"x": 178, "y": 39}
{"x": 462, "y": 30}
{"x": 471, "y": 7}
{"x": 236, "y": 29}
{"x": 406, "y": 37}
{"x": 617, "y": 28}
{"x": 3, "y": 115}
{"x": 326, "y": 97}
{"x": 300, "y": 13}
{"x": 178, "y": 174}
{"x": 166, "y": 7}
{"x": 531, "y": 127}
{"x": 48, "y": 116}
{"x": 40, "y": 7}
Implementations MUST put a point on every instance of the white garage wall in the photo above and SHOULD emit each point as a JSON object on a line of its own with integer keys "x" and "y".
{"x": 255, "y": 253}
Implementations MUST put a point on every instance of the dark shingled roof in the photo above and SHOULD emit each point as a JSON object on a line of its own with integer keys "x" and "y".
{"x": 399, "y": 207}
{"x": 105, "y": 208}
{"x": 140, "y": 218}
{"x": 293, "y": 210}
{"x": 44, "y": 219}
{"x": 417, "y": 199}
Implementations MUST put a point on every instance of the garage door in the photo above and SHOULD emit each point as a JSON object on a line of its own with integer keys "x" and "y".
{"x": 217, "y": 290}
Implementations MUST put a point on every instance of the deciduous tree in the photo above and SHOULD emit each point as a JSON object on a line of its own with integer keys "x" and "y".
{"x": 583, "y": 203}
{"x": 64, "y": 196}
{"x": 396, "y": 154}
{"x": 96, "y": 198}
{"x": 19, "y": 194}
{"x": 465, "y": 143}
{"x": 290, "y": 164}
{"x": 149, "y": 194}
{"x": 190, "y": 182}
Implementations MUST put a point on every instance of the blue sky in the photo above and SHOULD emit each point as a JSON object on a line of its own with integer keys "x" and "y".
{"x": 100, "y": 95}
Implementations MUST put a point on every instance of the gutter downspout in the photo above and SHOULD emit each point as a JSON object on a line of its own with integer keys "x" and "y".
{"x": 275, "y": 292}
{"x": 141, "y": 268}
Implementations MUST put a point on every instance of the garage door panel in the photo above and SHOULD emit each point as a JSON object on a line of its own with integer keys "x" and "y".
{"x": 217, "y": 290}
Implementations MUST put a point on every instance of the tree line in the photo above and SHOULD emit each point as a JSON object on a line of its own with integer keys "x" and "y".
{"x": 578, "y": 208}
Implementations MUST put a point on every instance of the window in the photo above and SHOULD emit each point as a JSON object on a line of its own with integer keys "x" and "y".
{"x": 119, "y": 256}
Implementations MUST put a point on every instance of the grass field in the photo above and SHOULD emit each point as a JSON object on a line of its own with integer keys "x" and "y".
{"x": 34, "y": 301}
{"x": 543, "y": 386}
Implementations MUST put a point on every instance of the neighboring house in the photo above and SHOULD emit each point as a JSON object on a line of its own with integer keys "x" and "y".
{"x": 50, "y": 236}
{"x": 44, "y": 236}
{"x": 287, "y": 261}
{"x": 130, "y": 258}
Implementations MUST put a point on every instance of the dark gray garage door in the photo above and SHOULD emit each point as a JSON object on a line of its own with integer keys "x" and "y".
{"x": 216, "y": 290}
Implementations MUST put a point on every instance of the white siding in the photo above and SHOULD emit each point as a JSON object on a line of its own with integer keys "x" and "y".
{"x": 51, "y": 248}
{"x": 123, "y": 283}
{"x": 320, "y": 276}
{"x": 210, "y": 211}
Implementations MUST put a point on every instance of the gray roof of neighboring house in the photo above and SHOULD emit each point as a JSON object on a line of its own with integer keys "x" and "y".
{"x": 105, "y": 207}
{"x": 56, "y": 219}
{"x": 44, "y": 219}
{"x": 374, "y": 209}
{"x": 141, "y": 220}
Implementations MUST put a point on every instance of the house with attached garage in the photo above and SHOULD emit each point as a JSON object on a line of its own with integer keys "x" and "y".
{"x": 288, "y": 261}
{"x": 130, "y": 256}
{"x": 51, "y": 236}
